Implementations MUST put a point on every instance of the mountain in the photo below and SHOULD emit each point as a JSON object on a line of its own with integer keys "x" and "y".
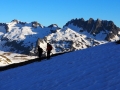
{"x": 23, "y": 37}
{"x": 96, "y": 68}
{"x": 97, "y": 29}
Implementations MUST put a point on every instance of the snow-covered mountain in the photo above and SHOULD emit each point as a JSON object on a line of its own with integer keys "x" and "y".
{"x": 97, "y": 29}
{"x": 23, "y": 37}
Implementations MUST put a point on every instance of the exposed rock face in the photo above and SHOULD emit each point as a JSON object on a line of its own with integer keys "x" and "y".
{"x": 95, "y": 27}
{"x": 53, "y": 28}
{"x": 53, "y": 25}
{"x": 16, "y": 47}
{"x": 22, "y": 23}
{"x": 36, "y": 24}
{"x": 15, "y": 20}
{"x": 5, "y": 26}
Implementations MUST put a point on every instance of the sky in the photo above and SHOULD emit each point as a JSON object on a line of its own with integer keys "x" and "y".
{"x": 59, "y": 12}
{"x": 96, "y": 68}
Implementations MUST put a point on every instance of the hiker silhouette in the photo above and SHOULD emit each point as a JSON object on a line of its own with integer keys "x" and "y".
{"x": 49, "y": 48}
{"x": 40, "y": 51}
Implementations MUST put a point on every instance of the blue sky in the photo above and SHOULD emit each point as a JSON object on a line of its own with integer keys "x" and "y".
{"x": 59, "y": 12}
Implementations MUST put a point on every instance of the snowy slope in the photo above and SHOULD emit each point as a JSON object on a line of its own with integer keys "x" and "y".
{"x": 96, "y": 68}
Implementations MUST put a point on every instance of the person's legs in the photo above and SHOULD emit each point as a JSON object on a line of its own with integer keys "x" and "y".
{"x": 40, "y": 55}
{"x": 48, "y": 54}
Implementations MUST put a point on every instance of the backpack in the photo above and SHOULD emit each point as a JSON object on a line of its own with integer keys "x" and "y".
{"x": 49, "y": 47}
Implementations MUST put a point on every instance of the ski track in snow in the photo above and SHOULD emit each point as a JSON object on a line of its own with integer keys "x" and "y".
{"x": 96, "y": 68}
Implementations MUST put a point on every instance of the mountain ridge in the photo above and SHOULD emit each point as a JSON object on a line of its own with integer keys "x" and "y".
{"x": 94, "y": 27}
{"x": 23, "y": 37}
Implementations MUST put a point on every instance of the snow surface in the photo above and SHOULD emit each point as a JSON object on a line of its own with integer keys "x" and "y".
{"x": 96, "y": 68}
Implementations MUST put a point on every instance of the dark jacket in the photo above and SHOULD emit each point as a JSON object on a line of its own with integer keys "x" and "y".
{"x": 40, "y": 50}
{"x": 49, "y": 47}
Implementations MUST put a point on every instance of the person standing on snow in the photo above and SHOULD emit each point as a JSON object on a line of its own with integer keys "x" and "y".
{"x": 49, "y": 48}
{"x": 40, "y": 51}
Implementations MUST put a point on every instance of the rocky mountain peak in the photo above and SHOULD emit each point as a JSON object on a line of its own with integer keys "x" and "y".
{"x": 15, "y": 20}
{"x": 90, "y": 20}
{"x": 95, "y": 27}
{"x": 82, "y": 19}
{"x": 36, "y": 24}
{"x": 53, "y": 25}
